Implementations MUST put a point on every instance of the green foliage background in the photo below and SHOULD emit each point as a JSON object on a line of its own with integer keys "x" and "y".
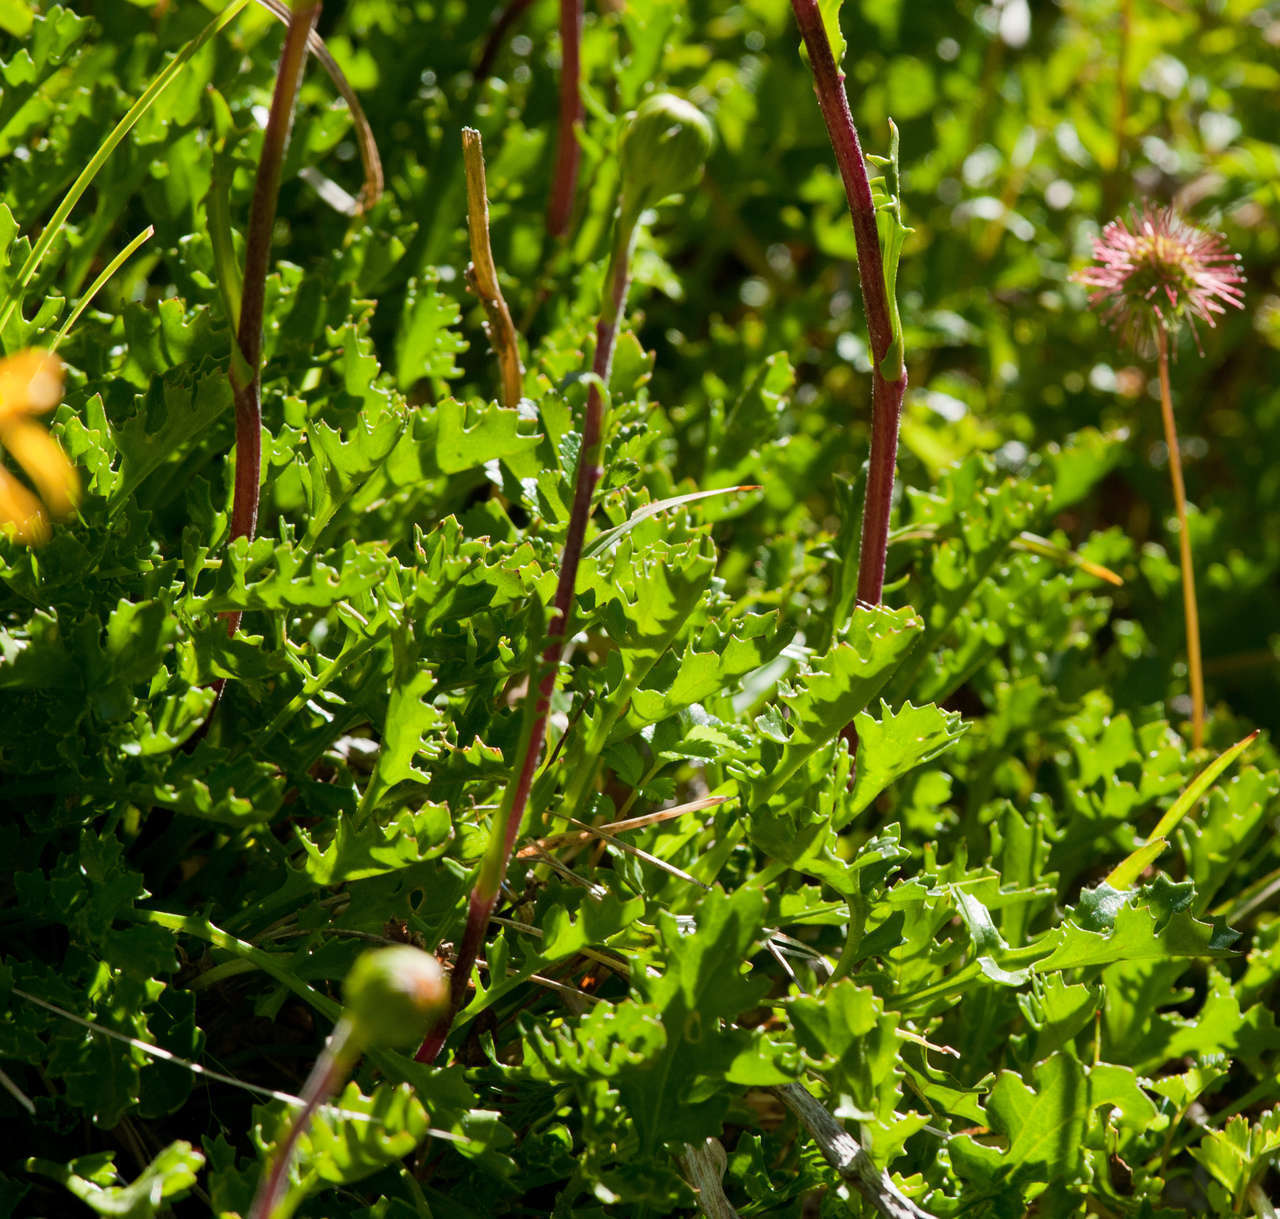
{"x": 1020, "y": 722}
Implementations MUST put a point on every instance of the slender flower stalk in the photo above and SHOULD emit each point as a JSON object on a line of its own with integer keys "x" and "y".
{"x": 888, "y": 384}
{"x": 663, "y": 150}
{"x": 542, "y": 681}
{"x": 1147, "y": 281}
{"x": 510, "y": 13}
{"x": 245, "y": 372}
{"x": 246, "y": 363}
{"x": 564, "y": 181}
{"x": 390, "y": 994}
{"x": 1190, "y": 608}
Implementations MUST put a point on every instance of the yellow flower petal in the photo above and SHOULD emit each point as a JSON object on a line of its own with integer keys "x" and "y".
{"x": 46, "y": 465}
{"x": 30, "y": 383}
{"x": 21, "y": 516}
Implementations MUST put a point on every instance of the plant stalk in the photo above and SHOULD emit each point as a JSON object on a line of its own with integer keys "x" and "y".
{"x": 509, "y": 15}
{"x": 371, "y": 191}
{"x": 886, "y": 396}
{"x": 331, "y": 1068}
{"x": 565, "y": 179}
{"x": 482, "y": 274}
{"x": 1190, "y": 610}
{"x": 246, "y": 370}
{"x": 542, "y": 681}
{"x": 245, "y": 373}
{"x": 847, "y": 1156}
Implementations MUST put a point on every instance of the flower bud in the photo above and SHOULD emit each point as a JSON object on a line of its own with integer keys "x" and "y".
{"x": 663, "y": 149}
{"x": 393, "y": 994}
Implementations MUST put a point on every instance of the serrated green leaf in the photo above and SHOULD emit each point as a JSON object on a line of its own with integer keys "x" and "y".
{"x": 1241, "y": 1152}
{"x": 834, "y": 687}
{"x": 894, "y": 745}
{"x": 373, "y": 849}
{"x": 355, "y": 1135}
{"x": 469, "y": 434}
{"x": 846, "y": 1034}
{"x": 1154, "y": 923}
{"x": 428, "y": 344}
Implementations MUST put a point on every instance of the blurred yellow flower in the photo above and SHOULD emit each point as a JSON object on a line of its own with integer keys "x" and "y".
{"x": 31, "y": 384}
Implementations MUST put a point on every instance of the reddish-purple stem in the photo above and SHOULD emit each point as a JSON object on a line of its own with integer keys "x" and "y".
{"x": 886, "y": 396}
{"x": 485, "y": 896}
{"x": 565, "y": 182}
{"x": 246, "y": 372}
{"x": 509, "y": 15}
{"x": 886, "y": 415}
{"x": 329, "y": 1071}
{"x": 246, "y": 362}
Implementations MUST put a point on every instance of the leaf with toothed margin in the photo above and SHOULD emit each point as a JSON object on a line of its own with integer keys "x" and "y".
{"x": 894, "y": 745}
{"x": 1154, "y": 923}
{"x": 711, "y": 663}
{"x": 428, "y": 342}
{"x": 372, "y": 848}
{"x": 831, "y": 689}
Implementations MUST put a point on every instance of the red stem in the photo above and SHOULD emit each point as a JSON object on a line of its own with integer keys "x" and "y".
{"x": 565, "y": 181}
{"x": 484, "y": 895}
{"x": 246, "y": 372}
{"x": 246, "y": 362}
{"x": 330, "y": 1069}
{"x": 886, "y": 396}
{"x": 886, "y": 415}
{"x": 512, "y": 13}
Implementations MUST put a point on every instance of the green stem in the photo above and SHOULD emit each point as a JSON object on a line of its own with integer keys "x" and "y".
{"x": 94, "y": 288}
{"x": 1190, "y": 610}
{"x": 855, "y": 933}
{"x": 269, "y": 963}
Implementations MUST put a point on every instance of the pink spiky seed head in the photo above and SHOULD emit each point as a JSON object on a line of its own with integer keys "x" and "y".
{"x": 1149, "y": 278}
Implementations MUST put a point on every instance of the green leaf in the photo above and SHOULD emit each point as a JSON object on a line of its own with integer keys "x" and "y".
{"x": 1125, "y": 873}
{"x": 1241, "y": 1152}
{"x": 428, "y": 343}
{"x": 1055, "y": 1011}
{"x": 167, "y": 1178}
{"x": 847, "y": 1035}
{"x": 469, "y": 434}
{"x": 886, "y": 197}
{"x": 277, "y": 574}
{"x": 1154, "y": 923}
{"x": 353, "y": 1136}
{"x": 48, "y": 40}
{"x": 598, "y": 920}
{"x": 609, "y": 1040}
{"x": 830, "y": 10}
{"x": 973, "y": 524}
{"x": 894, "y": 745}
{"x": 1043, "y": 1122}
{"x": 833, "y": 688}
{"x": 374, "y": 849}
{"x": 611, "y": 537}
{"x": 701, "y": 990}
{"x": 713, "y": 662}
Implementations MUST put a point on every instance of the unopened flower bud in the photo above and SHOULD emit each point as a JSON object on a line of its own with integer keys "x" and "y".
{"x": 664, "y": 147}
{"x": 393, "y": 994}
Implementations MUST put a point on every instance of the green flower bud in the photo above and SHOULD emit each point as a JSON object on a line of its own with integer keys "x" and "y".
{"x": 663, "y": 150}
{"x": 393, "y": 994}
